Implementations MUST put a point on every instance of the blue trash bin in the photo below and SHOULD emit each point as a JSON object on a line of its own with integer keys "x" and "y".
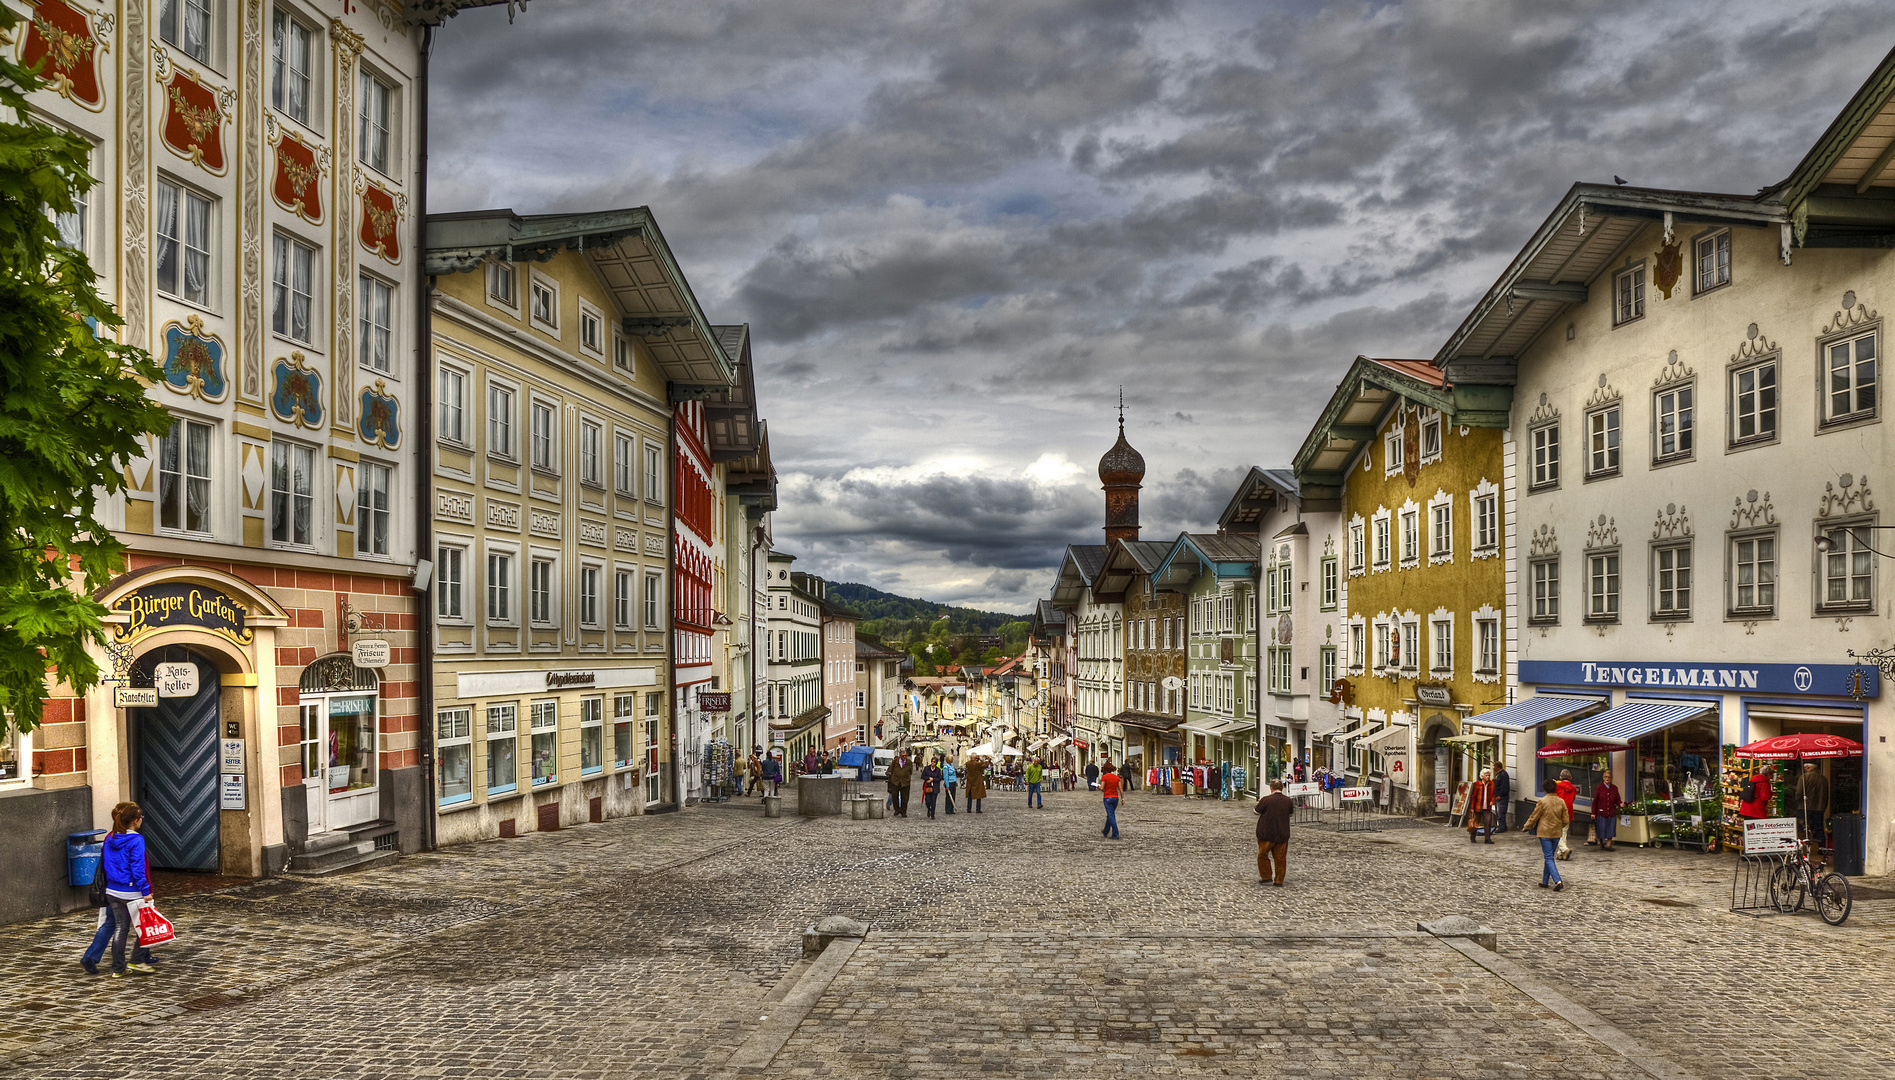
{"x": 84, "y": 852}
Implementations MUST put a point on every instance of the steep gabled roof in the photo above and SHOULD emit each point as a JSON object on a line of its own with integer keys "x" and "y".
{"x": 731, "y": 413}
{"x": 1261, "y": 491}
{"x": 1364, "y": 396}
{"x": 1228, "y": 555}
{"x": 1077, "y": 571}
{"x": 1125, "y": 562}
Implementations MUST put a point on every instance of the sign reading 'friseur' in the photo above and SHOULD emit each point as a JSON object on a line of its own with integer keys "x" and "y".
{"x": 172, "y": 606}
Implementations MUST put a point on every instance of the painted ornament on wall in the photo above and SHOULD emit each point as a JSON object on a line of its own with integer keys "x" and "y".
{"x": 194, "y": 360}
{"x": 1669, "y": 268}
{"x": 298, "y": 168}
{"x": 381, "y": 417}
{"x": 194, "y": 115}
{"x": 1411, "y": 450}
{"x": 297, "y": 394}
{"x": 381, "y": 214}
{"x": 68, "y": 39}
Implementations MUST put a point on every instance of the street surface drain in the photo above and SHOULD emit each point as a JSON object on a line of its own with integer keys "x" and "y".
{"x": 1126, "y": 1035}
{"x": 1663, "y": 902}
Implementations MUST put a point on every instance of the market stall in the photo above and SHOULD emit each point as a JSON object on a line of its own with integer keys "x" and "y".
{"x": 1838, "y": 762}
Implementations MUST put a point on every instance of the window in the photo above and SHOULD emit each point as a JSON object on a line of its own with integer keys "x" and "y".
{"x": 1411, "y": 641}
{"x": 1411, "y": 536}
{"x": 623, "y": 465}
{"x": 1355, "y": 545}
{"x": 72, "y": 224}
{"x": 1676, "y": 430}
{"x": 448, "y": 572}
{"x": 1628, "y": 295}
{"x": 1331, "y": 584}
{"x": 539, "y": 591}
{"x": 1848, "y": 568}
{"x": 1671, "y": 581}
{"x": 292, "y": 287}
{"x": 1270, "y": 590}
{"x": 375, "y": 299}
{"x": 1712, "y": 255}
{"x": 499, "y": 587}
{"x": 1754, "y": 574}
{"x": 622, "y": 354}
{"x": 1381, "y": 541}
{"x": 1602, "y": 442}
{"x": 1602, "y": 587}
{"x": 1486, "y": 522}
{"x": 622, "y": 599}
{"x": 291, "y": 469}
{"x": 651, "y": 607}
{"x": 290, "y": 67}
{"x": 1327, "y": 667}
{"x": 1442, "y": 530}
{"x": 1853, "y": 373}
{"x": 545, "y": 742}
{"x": 1443, "y": 653}
{"x": 591, "y": 735}
{"x": 591, "y": 436}
{"x": 545, "y": 305}
{"x": 454, "y": 749}
{"x": 181, "y": 265}
{"x": 500, "y": 285}
{"x": 624, "y": 714}
{"x": 1545, "y": 584}
{"x": 1384, "y": 645}
{"x": 654, "y": 474}
{"x": 500, "y": 421}
{"x": 1488, "y": 633}
{"x": 184, "y": 477}
{"x": 187, "y": 25}
{"x": 1392, "y": 449}
{"x": 591, "y": 330}
{"x": 503, "y": 748}
{"x": 543, "y": 435}
{"x": 1357, "y": 656}
{"x": 1754, "y": 403}
{"x": 589, "y": 596}
{"x": 1546, "y": 456}
{"x": 453, "y": 406}
{"x": 371, "y": 510}
{"x": 376, "y": 118}
{"x": 1430, "y": 436}
{"x": 1286, "y": 585}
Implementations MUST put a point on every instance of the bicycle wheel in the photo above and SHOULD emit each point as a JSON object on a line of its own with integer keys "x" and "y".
{"x": 1832, "y": 899}
{"x": 1786, "y": 889}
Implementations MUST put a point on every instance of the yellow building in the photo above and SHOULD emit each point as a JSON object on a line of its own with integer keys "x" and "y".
{"x": 1414, "y": 464}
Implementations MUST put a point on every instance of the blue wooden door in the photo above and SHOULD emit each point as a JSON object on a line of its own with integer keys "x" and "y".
{"x": 177, "y": 777}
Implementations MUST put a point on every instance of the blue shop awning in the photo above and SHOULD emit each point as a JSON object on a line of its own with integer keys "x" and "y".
{"x": 1537, "y": 710}
{"x": 1624, "y": 725}
{"x": 856, "y": 756}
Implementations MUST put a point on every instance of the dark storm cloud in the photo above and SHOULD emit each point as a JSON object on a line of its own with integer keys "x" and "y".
{"x": 959, "y": 228}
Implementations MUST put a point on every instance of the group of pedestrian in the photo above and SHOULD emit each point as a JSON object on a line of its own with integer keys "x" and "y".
{"x": 940, "y": 779}
{"x": 1806, "y": 800}
{"x": 761, "y": 769}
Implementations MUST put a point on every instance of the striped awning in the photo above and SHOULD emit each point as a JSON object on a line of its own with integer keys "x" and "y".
{"x": 1624, "y": 725}
{"x": 1382, "y": 737}
{"x": 1537, "y": 710}
{"x": 1361, "y": 734}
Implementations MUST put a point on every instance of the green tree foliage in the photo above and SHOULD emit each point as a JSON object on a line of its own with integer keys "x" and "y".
{"x": 72, "y": 411}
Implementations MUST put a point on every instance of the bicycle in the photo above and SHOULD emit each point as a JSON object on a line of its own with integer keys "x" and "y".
{"x": 1797, "y": 878}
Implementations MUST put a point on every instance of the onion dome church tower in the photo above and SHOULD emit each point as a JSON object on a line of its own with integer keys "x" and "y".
{"x": 1121, "y": 472}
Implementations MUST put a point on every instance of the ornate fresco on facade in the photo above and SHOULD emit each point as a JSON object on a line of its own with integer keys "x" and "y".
{"x": 194, "y": 115}
{"x": 297, "y": 391}
{"x": 295, "y": 184}
{"x": 381, "y": 213}
{"x": 194, "y": 360}
{"x": 69, "y": 40}
{"x": 381, "y": 416}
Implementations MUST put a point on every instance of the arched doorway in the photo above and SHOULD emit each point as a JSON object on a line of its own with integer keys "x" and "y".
{"x": 174, "y": 759}
{"x": 1439, "y": 767}
{"x": 339, "y": 706}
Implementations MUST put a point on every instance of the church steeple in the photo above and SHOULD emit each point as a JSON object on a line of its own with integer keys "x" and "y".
{"x": 1121, "y": 473}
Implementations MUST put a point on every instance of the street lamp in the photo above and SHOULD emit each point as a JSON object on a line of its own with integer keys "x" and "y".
{"x": 1824, "y": 545}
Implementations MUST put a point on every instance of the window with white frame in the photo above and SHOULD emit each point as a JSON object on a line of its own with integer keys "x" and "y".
{"x": 449, "y": 582}
{"x": 1356, "y": 546}
{"x": 376, "y": 304}
{"x": 1675, "y": 430}
{"x": 292, "y": 474}
{"x": 1430, "y": 435}
{"x": 292, "y": 288}
{"x": 291, "y": 64}
{"x": 1848, "y": 567}
{"x": 500, "y": 587}
{"x": 624, "y": 716}
{"x": 1754, "y": 402}
{"x": 591, "y": 735}
{"x": 503, "y": 748}
{"x": 543, "y": 303}
{"x": 1753, "y": 574}
{"x": 1602, "y": 442}
{"x": 1381, "y": 539}
{"x": 654, "y": 473}
{"x": 652, "y": 587}
{"x": 502, "y": 284}
{"x": 184, "y": 477}
{"x": 186, "y": 25}
{"x": 591, "y": 329}
{"x": 622, "y": 599}
{"x": 1286, "y": 584}
{"x": 1411, "y": 536}
{"x": 622, "y": 354}
{"x": 1671, "y": 581}
{"x": 591, "y": 440}
{"x": 72, "y": 224}
{"x": 1711, "y": 256}
{"x": 454, "y": 750}
{"x": 1327, "y": 667}
{"x": 375, "y": 122}
{"x": 372, "y": 484}
{"x": 1385, "y": 653}
{"x": 589, "y": 596}
{"x": 624, "y": 464}
{"x": 1545, "y": 454}
{"x": 1628, "y": 295}
{"x": 1332, "y": 583}
{"x": 500, "y": 420}
{"x": 1392, "y": 449}
{"x": 1544, "y": 575}
{"x": 545, "y": 716}
{"x": 1852, "y": 376}
{"x": 545, "y": 436}
{"x": 453, "y": 393}
{"x": 1409, "y": 646}
{"x": 1487, "y": 635}
{"x": 1441, "y": 656}
{"x": 1602, "y": 586}
{"x": 539, "y": 591}
{"x": 1486, "y": 520}
{"x": 1441, "y": 531}
{"x": 181, "y": 261}
{"x": 1358, "y": 654}
{"x": 1270, "y": 590}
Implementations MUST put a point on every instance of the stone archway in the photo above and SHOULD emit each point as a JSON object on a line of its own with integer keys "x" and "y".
{"x": 1432, "y": 756}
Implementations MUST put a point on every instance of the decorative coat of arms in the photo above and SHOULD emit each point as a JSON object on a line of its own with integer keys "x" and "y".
{"x": 1669, "y": 268}
{"x": 194, "y": 360}
{"x": 69, "y": 40}
{"x": 380, "y": 417}
{"x": 297, "y": 393}
{"x": 381, "y": 214}
{"x": 194, "y": 115}
{"x": 299, "y": 169}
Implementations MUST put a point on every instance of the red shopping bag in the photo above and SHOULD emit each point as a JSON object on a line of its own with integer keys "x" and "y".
{"x": 153, "y": 928}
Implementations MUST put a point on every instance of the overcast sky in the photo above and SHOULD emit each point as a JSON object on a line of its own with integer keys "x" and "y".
{"x": 957, "y": 227}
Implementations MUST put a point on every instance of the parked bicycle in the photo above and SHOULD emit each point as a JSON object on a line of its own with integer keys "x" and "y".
{"x": 1798, "y": 879}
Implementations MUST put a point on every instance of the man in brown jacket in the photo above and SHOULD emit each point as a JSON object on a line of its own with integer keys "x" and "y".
{"x": 1812, "y": 805}
{"x": 1273, "y": 833}
{"x": 900, "y": 776}
{"x": 1551, "y": 818}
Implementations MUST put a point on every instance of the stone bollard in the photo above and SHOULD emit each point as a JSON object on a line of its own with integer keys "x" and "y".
{"x": 827, "y": 929}
{"x": 858, "y": 809}
{"x": 1462, "y": 927}
{"x": 772, "y": 806}
{"x": 877, "y": 807}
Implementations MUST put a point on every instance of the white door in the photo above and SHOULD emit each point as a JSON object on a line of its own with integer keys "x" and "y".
{"x": 340, "y": 760}
{"x": 314, "y": 765}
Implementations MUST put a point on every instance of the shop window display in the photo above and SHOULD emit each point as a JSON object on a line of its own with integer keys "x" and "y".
{"x": 351, "y": 743}
{"x": 545, "y": 742}
{"x": 591, "y": 735}
{"x": 456, "y": 754}
{"x": 624, "y": 748}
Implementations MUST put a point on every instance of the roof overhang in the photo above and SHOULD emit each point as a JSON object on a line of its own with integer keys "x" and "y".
{"x": 436, "y": 12}
{"x": 1261, "y": 491}
{"x": 1364, "y": 398}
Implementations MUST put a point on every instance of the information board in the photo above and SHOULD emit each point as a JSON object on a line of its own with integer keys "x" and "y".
{"x": 1769, "y": 836}
{"x": 1355, "y": 794}
{"x": 1298, "y": 790}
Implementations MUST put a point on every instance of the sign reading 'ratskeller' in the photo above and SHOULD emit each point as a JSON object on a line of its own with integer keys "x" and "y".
{"x": 177, "y": 605}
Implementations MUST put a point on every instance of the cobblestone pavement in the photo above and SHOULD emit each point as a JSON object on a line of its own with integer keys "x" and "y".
{"x": 1013, "y": 942}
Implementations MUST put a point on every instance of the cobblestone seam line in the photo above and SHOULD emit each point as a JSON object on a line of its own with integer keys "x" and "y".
{"x": 775, "y": 1027}
{"x": 1641, "y": 1057}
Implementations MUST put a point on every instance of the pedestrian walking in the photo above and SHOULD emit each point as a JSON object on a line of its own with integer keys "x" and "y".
{"x": 1480, "y": 807}
{"x": 739, "y": 767}
{"x": 1035, "y": 776}
{"x": 1568, "y": 792}
{"x": 1273, "y": 834}
{"x": 1551, "y": 817}
{"x": 1503, "y": 795}
{"x": 126, "y": 880}
{"x": 1109, "y": 783}
{"x": 1092, "y": 775}
{"x": 756, "y": 773}
{"x": 931, "y": 785}
{"x": 810, "y": 761}
{"x": 976, "y": 784}
{"x": 901, "y": 776}
{"x": 773, "y": 772}
{"x": 1812, "y": 806}
{"x": 951, "y": 781}
{"x": 1605, "y": 811}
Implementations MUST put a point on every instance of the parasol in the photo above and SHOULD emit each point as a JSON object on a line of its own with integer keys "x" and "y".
{"x": 1804, "y": 745}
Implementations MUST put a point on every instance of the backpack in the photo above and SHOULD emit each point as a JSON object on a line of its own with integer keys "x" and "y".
{"x": 1749, "y": 791}
{"x": 96, "y": 894}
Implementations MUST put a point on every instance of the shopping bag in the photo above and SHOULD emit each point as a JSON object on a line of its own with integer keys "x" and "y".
{"x": 1564, "y": 851}
{"x": 153, "y": 928}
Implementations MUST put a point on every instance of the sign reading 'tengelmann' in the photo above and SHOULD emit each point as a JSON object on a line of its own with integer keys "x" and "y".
{"x": 1827, "y": 680}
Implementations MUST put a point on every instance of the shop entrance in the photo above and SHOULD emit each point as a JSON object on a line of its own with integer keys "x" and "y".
{"x": 1438, "y": 770}
{"x": 338, "y": 711}
{"x": 174, "y": 766}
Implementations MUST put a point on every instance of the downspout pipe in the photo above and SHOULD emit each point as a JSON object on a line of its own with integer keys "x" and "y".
{"x": 424, "y": 495}
{"x": 671, "y": 635}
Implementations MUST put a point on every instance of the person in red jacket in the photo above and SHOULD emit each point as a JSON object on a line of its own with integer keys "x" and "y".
{"x": 1758, "y": 805}
{"x": 1567, "y": 790}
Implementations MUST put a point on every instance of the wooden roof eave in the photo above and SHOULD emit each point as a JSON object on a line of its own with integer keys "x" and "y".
{"x": 1841, "y": 134}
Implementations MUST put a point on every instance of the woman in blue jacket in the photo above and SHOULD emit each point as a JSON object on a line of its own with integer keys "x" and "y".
{"x": 125, "y": 881}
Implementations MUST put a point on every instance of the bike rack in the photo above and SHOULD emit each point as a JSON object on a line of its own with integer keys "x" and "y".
{"x": 1750, "y": 884}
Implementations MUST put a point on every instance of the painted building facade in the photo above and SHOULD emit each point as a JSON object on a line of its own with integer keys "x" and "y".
{"x": 841, "y": 727}
{"x": 1155, "y": 665}
{"x": 1217, "y": 575}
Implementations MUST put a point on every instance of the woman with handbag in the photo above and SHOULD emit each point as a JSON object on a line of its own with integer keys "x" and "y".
{"x": 1480, "y": 807}
{"x": 125, "y": 881}
{"x": 1605, "y": 811}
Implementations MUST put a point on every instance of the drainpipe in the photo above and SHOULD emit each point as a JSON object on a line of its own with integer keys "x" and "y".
{"x": 756, "y": 539}
{"x": 671, "y": 635}
{"x": 424, "y": 535}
